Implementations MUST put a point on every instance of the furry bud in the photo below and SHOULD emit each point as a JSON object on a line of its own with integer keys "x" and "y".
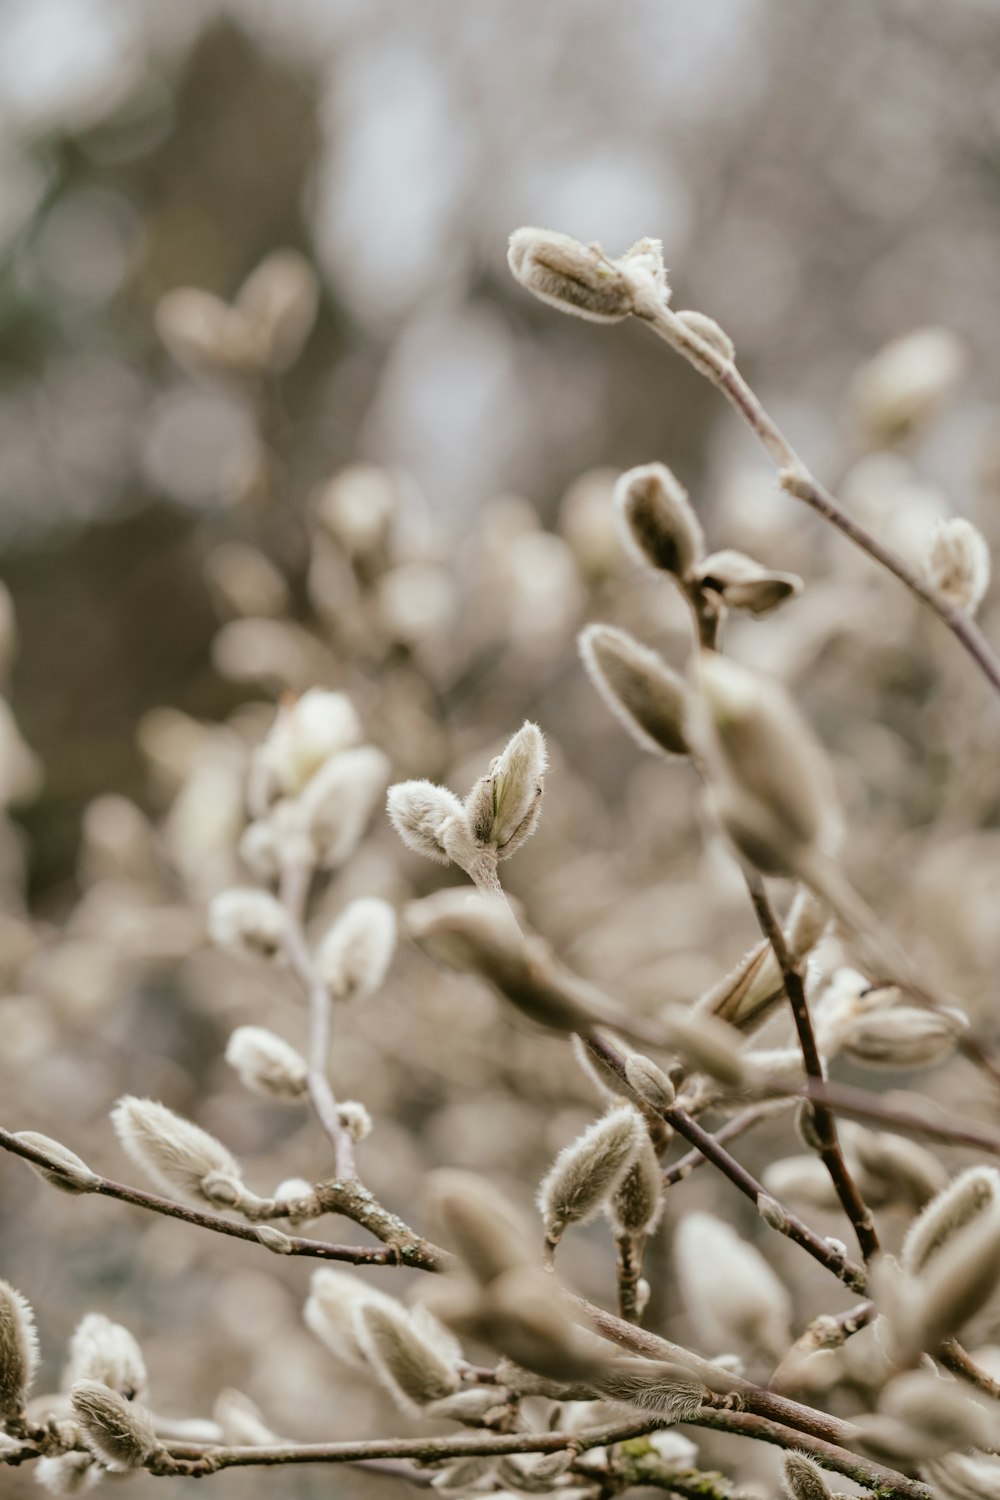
{"x": 803, "y": 1480}
{"x": 671, "y": 1391}
{"x": 249, "y": 922}
{"x": 959, "y": 1280}
{"x": 904, "y": 1037}
{"x": 275, "y": 1240}
{"x": 709, "y": 1045}
{"x": 339, "y": 800}
{"x": 478, "y": 1222}
{"x": 267, "y": 1064}
{"x": 746, "y": 584}
{"x": 503, "y": 807}
{"x": 279, "y": 299}
{"x": 639, "y": 688}
{"x": 958, "y": 563}
{"x": 354, "y": 956}
{"x": 940, "y": 1410}
{"x": 587, "y": 1171}
{"x": 974, "y": 1192}
{"x": 105, "y": 1351}
{"x": 412, "y": 1369}
{"x": 635, "y": 1205}
{"x": 649, "y": 1082}
{"x": 426, "y": 817}
{"x": 66, "y": 1170}
{"x": 656, "y": 521}
{"x": 329, "y": 1312}
{"x": 241, "y": 1421}
{"x": 18, "y": 1351}
{"x": 576, "y": 278}
{"x": 173, "y": 1153}
{"x": 117, "y": 1431}
{"x": 305, "y": 734}
{"x": 960, "y": 1476}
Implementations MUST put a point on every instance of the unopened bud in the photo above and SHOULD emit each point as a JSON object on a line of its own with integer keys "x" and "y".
{"x": 747, "y": 995}
{"x": 18, "y": 1351}
{"x": 203, "y": 333}
{"x": 67, "y": 1473}
{"x": 574, "y": 277}
{"x": 305, "y": 734}
{"x": 729, "y": 1289}
{"x": 904, "y": 1037}
{"x": 67, "y": 1171}
{"x": 906, "y": 383}
{"x": 940, "y": 1410}
{"x": 650, "y": 1082}
{"x": 329, "y": 1312}
{"x": 656, "y": 521}
{"x": 671, "y": 1391}
{"x": 707, "y": 329}
{"x": 709, "y": 1045}
{"x": 427, "y": 818}
{"x": 275, "y": 1240}
{"x": 279, "y": 299}
{"x": 249, "y": 922}
{"x": 964, "y": 1476}
{"x": 479, "y": 1223}
{"x": 958, "y": 1281}
{"x": 119, "y": 1432}
{"x": 503, "y": 807}
{"x": 240, "y": 1420}
{"x": 105, "y": 1351}
{"x": 971, "y": 1194}
{"x": 639, "y": 688}
{"x": 355, "y": 1119}
{"x": 803, "y": 1480}
{"x": 411, "y": 1368}
{"x": 958, "y": 563}
{"x": 339, "y": 800}
{"x": 636, "y": 1203}
{"x": 266, "y": 1063}
{"x": 173, "y": 1152}
{"x": 527, "y": 1323}
{"x": 354, "y": 956}
{"x": 746, "y": 584}
{"x": 586, "y": 1172}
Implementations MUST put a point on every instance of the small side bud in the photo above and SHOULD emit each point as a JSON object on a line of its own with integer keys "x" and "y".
{"x": 650, "y": 1082}
{"x": 426, "y": 817}
{"x": 18, "y": 1351}
{"x": 410, "y": 1367}
{"x": 106, "y": 1352}
{"x": 249, "y": 922}
{"x": 656, "y": 521}
{"x": 803, "y": 1480}
{"x": 174, "y": 1153}
{"x": 576, "y": 278}
{"x": 639, "y": 688}
{"x": 904, "y": 1037}
{"x": 117, "y": 1431}
{"x": 707, "y": 329}
{"x": 354, "y": 956}
{"x": 587, "y": 1171}
{"x": 275, "y": 1240}
{"x": 746, "y": 584}
{"x": 267, "y": 1064}
{"x": 355, "y": 1119}
{"x": 958, "y": 563}
{"x": 775, "y": 1216}
{"x": 67, "y": 1171}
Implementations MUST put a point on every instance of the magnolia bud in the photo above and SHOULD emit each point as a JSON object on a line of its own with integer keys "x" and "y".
{"x": 587, "y": 1171}
{"x": 203, "y": 333}
{"x": 905, "y": 384}
{"x": 710, "y": 1045}
{"x": 904, "y": 1037}
{"x": 803, "y": 1480}
{"x": 329, "y": 1312}
{"x": 426, "y": 817}
{"x": 670, "y": 1390}
{"x": 410, "y": 1367}
{"x": 118, "y": 1432}
{"x": 503, "y": 807}
{"x": 746, "y": 996}
{"x": 708, "y": 330}
{"x": 338, "y": 802}
{"x": 354, "y": 956}
{"x": 649, "y": 1082}
{"x": 635, "y": 1205}
{"x": 973, "y": 1192}
{"x": 67, "y": 1473}
{"x": 249, "y": 922}
{"x": 105, "y": 1351}
{"x": 940, "y": 1410}
{"x": 275, "y": 1240}
{"x": 279, "y": 299}
{"x": 241, "y": 1421}
{"x": 960, "y": 1476}
{"x": 656, "y": 521}
{"x": 639, "y": 688}
{"x": 305, "y": 734}
{"x": 486, "y": 1231}
{"x": 355, "y": 1119}
{"x": 745, "y": 584}
{"x": 729, "y": 1289}
{"x": 959, "y": 1280}
{"x": 18, "y": 1351}
{"x": 958, "y": 563}
{"x": 576, "y": 278}
{"x": 174, "y": 1153}
{"x": 770, "y": 778}
{"x": 66, "y": 1172}
{"x": 267, "y": 1064}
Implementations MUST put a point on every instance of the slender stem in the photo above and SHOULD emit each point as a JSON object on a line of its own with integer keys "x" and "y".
{"x": 791, "y": 1225}
{"x": 825, "y": 1123}
{"x": 951, "y": 1130}
{"x": 737, "y": 1126}
{"x": 294, "y": 891}
{"x": 629, "y": 1268}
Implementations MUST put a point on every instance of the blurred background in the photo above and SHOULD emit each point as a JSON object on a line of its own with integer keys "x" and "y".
{"x": 415, "y": 509}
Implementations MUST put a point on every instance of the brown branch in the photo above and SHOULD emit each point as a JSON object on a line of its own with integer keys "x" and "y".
{"x": 939, "y": 1125}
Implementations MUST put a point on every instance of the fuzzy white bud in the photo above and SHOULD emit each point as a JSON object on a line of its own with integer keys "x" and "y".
{"x": 174, "y": 1153}
{"x": 354, "y": 956}
{"x": 18, "y": 1351}
{"x": 586, "y": 1172}
{"x": 415, "y": 1370}
{"x": 329, "y": 1312}
{"x": 479, "y": 1223}
{"x": 105, "y": 1351}
{"x": 656, "y": 521}
{"x": 503, "y": 807}
{"x": 427, "y": 818}
{"x": 338, "y": 802}
{"x": 639, "y": 688}
{"x": 574, "y": 277}
{"x": 972, "y": 1193}
{"x": 119, "y": 1432}
{"x": 707, "y": 329}
{"x": 306, "y": 732}
{"x": 266, "y": 1063}
{"x": 67, "y": 1171}
{"x": 279, "y": 300}
{"x": 249, "y": 922}
{"x": 957, "y": 563}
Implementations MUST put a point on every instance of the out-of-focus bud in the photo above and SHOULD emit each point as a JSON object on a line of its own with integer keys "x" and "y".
{"x": 117, "y": 841}
{"x": 804, "y": 1179}
{"x": 279, "y": 300}
{"x": 958, "y": 563}
{"x": 503, "y": 808}
{"x": 176, "y": 1154}
{"x": 904, "y": 1038}
{"x": 413, "y": 1369}
{"x": 479, "y": 1223}
{"x": 18, "y": 1351}
{"x": 746, "y": 996}
{"x": 67, "y": 1473}
{"x": 907, "y": 383}
{"x": 707, "y": 329}
{"x": 339, "y": 801}
{"x": 807, "y": 922}
{"x": 245, "y": 582}
{"x": 355, "y": 1119}
{"x": 357, "y": 507}
{"x": 639, "y": 688}
{"x": 802, "y": 1479}
{"x": 576, "y": 278}
{"x": 240, "y": 1420}
{"x": 106, "y": 1351}
{"x": 524, "y": 1320}
{"x": 906, "y": 1172}
{"x": 709, "y": 1045}
{"x": 67, "y": 1171}
{"x": 770, "y": 778}
{"x": 429, "y": 819}
{"x": 963, "y": 1476}
{"x": 354, "y": 956}
{"x": 656, "y": 521}
{"x": 941, "y": 1411}
{"x": 587, "y": 524}
{"x": 951, "y": 1289}
{"x": 206, "y": 335}
{"x": 729, "y": 1289}
{"x": 746, "y": 584}
{"x": 266, "y": 1063}
{"x": 972, "y": 1193}
{"x": 249, "y": 922}
{"x": 119, "y": 1432}
{"x": 672, "y": 1391}
{"x": 635, "y": 1205}
{"x": 329, "y": 1312}
{"x": 586, "y": 1172}
{"x": 306, "y": 732}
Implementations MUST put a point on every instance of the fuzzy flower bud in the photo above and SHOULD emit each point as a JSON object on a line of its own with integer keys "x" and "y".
{"x": 656, "y": 521}
{"x": 958, "y": 1281}
{"x": 67, "y": 1473}
{"x": 710, "y": 1045}
{"x": 639, "y": 688}
{"x": 266, "y": 1064}
{"x": 18, "y": 1351}
{"x": 576, "y": 278}
{"x": 728, "y": 1287}
{"x": 339, "y": 801}
{"x": 635, "y": 1205}
{"x": 306, "y": 732}
{"x": 939, "y": 1410}
{"x": 904, "y": 1037}
{"x": 413, "y": 1369}
{"x": 973, "y": 1192}
{"x": 354, "y": 956}
{"x": 249, "y": 922}
{"x": 426, "y": 817}
{"x": 961, "y": 1476}
{"x": 503, "y": 808}
{"x": 240, "y": 1420}
{"x": 105, "y": 1351}
{"x": 175, "y": 1154}
{"x": 770, "y": 778}
{"x": 203, "y": 333}
{"x": 958, "y": 563}
{"x": 907, "y": 382}
{"x": 803, "y": 1480}
{"x": 329, "y": 1312}
{"x": 650, "y": 1082}
{"x": 588, "y": 1170}
{"x": 746, "y": 584}
{"x": 67, "y": 1171}
{"x": 117, "y": 1431}
{"x": 670, "y": 1390}
{"x": 479, "y": 1223}
{"x": 279, "y": 300}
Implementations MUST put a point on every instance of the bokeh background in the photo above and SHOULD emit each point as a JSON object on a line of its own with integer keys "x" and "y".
{"x": 180, "y": 549}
